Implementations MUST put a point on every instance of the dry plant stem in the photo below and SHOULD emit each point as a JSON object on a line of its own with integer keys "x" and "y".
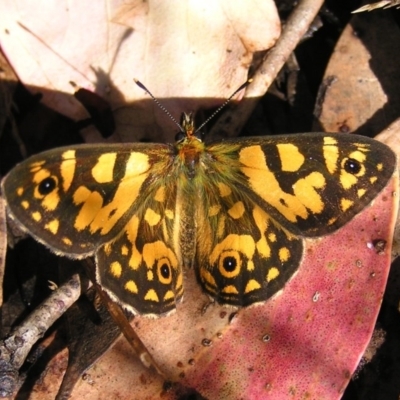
{"x": 129, "y": 333}
{"x": 380, "y": 4}
{"x": 294, "y": 30}
{"x": 3, "y": 244}
{"x": 15, "y": 349}
{"x": 120, "y": 319}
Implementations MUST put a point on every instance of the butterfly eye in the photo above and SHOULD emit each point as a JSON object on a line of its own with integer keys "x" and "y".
{"x": 164, "y": 271}
{"x": 180, "y": 136}
{"x": 199, "y": 135}
{"x": 47, "y": 185}
{"x": 352, "y": 166}
{"x": 229, "y": 264}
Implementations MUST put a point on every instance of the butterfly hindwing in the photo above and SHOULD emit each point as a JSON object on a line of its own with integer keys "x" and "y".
{"x": 243, "y": 256}
{"x": 142, "y": 268}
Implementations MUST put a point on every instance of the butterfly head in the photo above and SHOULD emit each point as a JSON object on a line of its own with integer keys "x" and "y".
{"x": 189, "y": 145}
{"x": 188, "y": 132}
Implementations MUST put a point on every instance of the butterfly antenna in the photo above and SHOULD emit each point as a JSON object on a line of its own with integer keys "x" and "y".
{"x": 140, "y": 84}
{"x": 241, "y": 87}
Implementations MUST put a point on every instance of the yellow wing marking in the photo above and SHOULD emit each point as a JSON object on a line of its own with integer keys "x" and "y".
{"x": 237, "y": 210}
{"x": 97, "y": 218}
{"x": 131, "y": 286}
{"x": 169, "y": 295}
{"x": 67, "y": 168}
{"x": 345, "y": 204}
{"x": 224, "y": 190}
{"x": 103, "y": 171}
{"x": 67, "y": 241}
{"x": 53, "y": 226}
{"x": 252, "y": 285}
{"x": 290, "y": 206}
{"x": 261, "y": 220}
{"x": 151, "y": 295}
{"x": 131, "y": 234}
{"x": 361, "y": 192}
{"x": 92, "y": 203}
{"x": 272, "y": 274}
{"x": 284, "y": 254}
{"x": 214, "y": 210}
{"x": 51, "y": 200}
{"x": 290, "y": 156}
{"x": 330, "y": 153}
{"x": 347, "y": 180}
{"x": 116, "y": 269}
{"x": 37, "y": 216}
{"x": 151, "y": 217}
{"x": 242, "y": 243}
{"x": 36, "y": 166}
{"x": 230, "y": 289}
{"x": 124, "y": 250}
{"x": 38, "y": 177}
{"x": 160, "y": 195}
{"x": 169, "y": 214}
{"x": 304, "y": 190}
{"x": 160, "y": 250}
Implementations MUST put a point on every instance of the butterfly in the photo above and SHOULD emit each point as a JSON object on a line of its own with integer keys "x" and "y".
{"x": 237, "y": 211}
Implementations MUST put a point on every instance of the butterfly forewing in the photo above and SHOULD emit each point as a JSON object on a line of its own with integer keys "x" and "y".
{"x": 75, "y": 199}
{"x": 313, "y": 184}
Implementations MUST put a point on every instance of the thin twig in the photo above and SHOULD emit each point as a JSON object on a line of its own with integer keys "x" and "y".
{"x": 120, "y": 319}
{"x": 16, "y": 347}
{"x": 380, "y": 4}
{"x": 3, "y": 244}
{"x": 296, "y": 27}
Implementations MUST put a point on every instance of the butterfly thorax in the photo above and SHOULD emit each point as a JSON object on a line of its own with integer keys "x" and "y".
{"x": 189, "y": 154}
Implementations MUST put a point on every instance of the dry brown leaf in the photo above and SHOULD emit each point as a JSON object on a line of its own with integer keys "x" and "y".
{"x": 193, "y": 54}
{"x": 364, "y": 95}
